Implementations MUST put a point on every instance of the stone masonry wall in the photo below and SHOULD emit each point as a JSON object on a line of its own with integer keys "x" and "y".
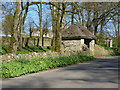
{"x": 78, "y": 46}
{"x": 72, "y": 45}
{"x": 101, "y": 51}
{"x": 32, "y": 41}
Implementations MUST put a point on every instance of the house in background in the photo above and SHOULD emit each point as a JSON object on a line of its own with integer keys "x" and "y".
{"x": 36, "y": 32}
{"x": 48, "y": 34}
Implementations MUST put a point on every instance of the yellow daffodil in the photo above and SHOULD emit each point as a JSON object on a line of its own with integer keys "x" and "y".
{"x": 53, "y": 57}
{"x": 40, "y": 62}
{"x": 26, "y": 56}
{"x": 69, "y": 54}
{"x": 6, "y": 72}
{"x": 76, "y": 53}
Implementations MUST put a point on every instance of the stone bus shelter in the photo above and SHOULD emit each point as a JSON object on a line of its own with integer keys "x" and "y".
{"x": 77, "y": 38}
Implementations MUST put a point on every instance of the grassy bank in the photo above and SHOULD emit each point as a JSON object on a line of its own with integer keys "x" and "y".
{"x": 115, "y": 54}
{"x": 25, "y": 50}
{"x": 24, "y": 66}
{"x": 103, "y": 45}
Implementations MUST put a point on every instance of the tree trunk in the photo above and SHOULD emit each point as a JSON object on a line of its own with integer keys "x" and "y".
{"x": 62, "y": 21}
{"x": 40, "y": 19}
{"x": 83, "y": 15}
{"x": 88, "y": 22}
{"x": 30, "y": 30}
{"x": 27, "y": 41}
{"x": 72, "y": 16}
{"x": 20, "y": 29}
{"x": 95, "y": 24}
{"x": 56, "y": 31}
{"x": 117, "y": 36}
{"x": 38, "y": 42}
{"x": 79, "y": 17}
{"x": 95, "y": 30}
{"x": 14, "y": 38}
{"x": 53, "y": 26}
{"x": 118, "y": 25}
{"x": 101, "y": 36}
{"x": 22, "y": 20}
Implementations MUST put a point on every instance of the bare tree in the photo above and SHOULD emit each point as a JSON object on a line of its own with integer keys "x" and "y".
{"x": 22, "y": 21}
{"x": 14, "y": 39}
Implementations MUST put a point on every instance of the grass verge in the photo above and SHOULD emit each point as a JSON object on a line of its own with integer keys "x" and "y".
{"x": 23, "y": 66}
{"x": 113, "y": 54}
{"x": 25, "y": 50}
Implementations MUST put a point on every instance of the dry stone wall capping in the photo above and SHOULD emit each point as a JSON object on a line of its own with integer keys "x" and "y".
{"x": 11, "y": 57}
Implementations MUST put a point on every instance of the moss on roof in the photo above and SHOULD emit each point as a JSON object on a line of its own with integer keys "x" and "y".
{"x": 76, "y": 31}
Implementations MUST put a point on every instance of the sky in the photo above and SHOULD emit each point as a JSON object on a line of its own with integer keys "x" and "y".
{"x": 33, "y": 15}
{"x": 46, "y": 13}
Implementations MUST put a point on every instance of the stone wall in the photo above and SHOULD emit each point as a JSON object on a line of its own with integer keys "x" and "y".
{"x": 101, "y": 51}
{"x": 86, "y": 47}
{"x": 93, "y": 50}
{"x": 31, "y": 41}
{"x": 34, "y": 41}
{"x": 92, "y": 47}
{"x": 11, "y": 57}
{"x": 73, "y": 45}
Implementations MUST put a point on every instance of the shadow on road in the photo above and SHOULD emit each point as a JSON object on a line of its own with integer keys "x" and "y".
{"x": 99, "y": 71}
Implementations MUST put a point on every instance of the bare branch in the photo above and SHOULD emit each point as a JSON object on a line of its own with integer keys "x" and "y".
{"x": 12, "y": 5}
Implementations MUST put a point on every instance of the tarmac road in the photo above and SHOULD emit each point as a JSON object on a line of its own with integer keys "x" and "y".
{"x": 100, "y": 73}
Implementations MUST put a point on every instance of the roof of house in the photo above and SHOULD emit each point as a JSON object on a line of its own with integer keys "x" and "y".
{"x": 76, "y": 31}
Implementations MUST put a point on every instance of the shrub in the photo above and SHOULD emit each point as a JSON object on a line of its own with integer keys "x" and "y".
{"x": 115, "y": 54}
{"x": 102, "y": 44}
{"x": 3, "y": 49}
{"x": 110, "y": 47}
